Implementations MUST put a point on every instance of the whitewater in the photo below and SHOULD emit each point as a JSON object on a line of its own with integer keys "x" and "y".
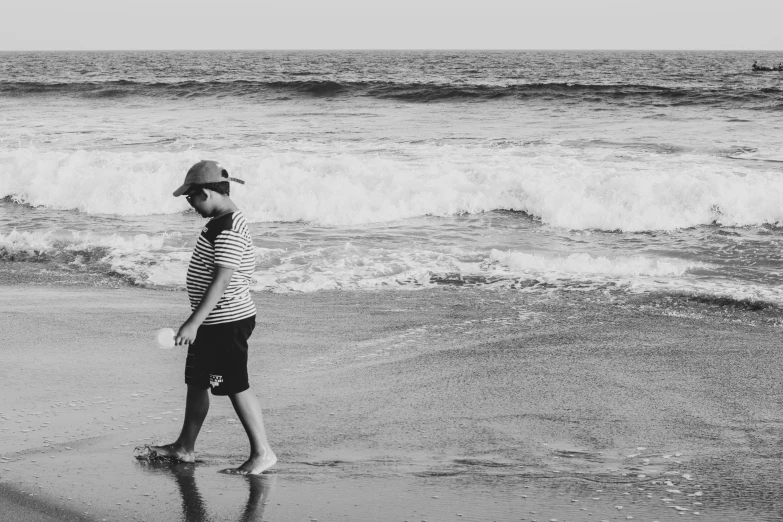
{"x": 593, "y": 172}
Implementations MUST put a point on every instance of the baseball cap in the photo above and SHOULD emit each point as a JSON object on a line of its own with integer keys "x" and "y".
{"x": 205, "y": 171}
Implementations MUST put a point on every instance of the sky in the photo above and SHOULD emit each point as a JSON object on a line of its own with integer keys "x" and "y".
{"x": 398, "y": 24}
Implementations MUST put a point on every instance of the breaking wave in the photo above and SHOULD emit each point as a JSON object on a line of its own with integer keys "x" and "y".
{"x": 557, "y": 186}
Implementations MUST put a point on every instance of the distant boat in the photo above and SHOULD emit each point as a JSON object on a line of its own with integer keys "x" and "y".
{"x": 762, "y": 68}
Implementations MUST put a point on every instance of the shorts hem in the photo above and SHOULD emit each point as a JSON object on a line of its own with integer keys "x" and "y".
{"x": 221, "y": 393}
{"x": 195, "y": 382}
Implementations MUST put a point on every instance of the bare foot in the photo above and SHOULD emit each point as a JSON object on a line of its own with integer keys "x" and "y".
{"x": 174, "y": 451}
{"x": 257, "y": 464}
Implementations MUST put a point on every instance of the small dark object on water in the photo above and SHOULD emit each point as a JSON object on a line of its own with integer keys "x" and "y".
{"x": 757, "y": 67}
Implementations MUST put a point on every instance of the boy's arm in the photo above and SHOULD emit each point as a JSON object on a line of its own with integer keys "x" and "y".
{"x": 215, "y": 290}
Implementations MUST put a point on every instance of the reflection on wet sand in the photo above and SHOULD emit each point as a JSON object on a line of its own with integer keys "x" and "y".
{"x": 194, "y": 506}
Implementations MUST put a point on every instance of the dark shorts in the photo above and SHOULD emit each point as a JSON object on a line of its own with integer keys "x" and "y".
{"x": 217, "y": 359}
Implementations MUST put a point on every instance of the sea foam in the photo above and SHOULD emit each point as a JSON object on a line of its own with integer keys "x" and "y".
{"x": 573, "y": 189}
{"x": 161, "y": 260}
{"x": 586, "y": 265}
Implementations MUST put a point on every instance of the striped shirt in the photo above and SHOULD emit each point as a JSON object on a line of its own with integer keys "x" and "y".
{"x": 225, "y": 241}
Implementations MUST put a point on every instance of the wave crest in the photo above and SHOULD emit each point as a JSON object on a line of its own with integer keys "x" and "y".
{"x": 558, "y": 186}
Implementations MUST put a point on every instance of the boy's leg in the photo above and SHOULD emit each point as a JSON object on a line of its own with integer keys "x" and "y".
{"x": 249, "y": 411}
{"x": 196, "y": 408}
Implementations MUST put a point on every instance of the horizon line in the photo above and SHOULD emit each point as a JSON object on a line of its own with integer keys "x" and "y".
{"x": 363, "y": 49}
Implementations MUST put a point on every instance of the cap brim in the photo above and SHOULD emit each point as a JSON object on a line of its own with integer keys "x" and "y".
{"x": 184, "y": 188}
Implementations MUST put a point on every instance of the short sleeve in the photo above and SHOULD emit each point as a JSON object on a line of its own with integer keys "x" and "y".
{"x": 229, "y": 246}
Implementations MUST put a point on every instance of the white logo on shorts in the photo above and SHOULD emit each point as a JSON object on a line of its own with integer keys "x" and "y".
{"x": 215, "y": 380}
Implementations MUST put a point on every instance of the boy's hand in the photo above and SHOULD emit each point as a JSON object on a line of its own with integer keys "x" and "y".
{"x": 186, "y": 334}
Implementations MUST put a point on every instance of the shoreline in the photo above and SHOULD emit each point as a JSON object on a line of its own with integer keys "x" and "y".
{"x": 451, "y": 393}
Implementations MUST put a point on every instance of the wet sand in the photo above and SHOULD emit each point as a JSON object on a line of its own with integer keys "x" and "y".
{"x": 443, "y": 404}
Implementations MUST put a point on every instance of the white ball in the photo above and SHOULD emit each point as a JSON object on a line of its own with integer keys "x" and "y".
{"x": 165, "y": 338}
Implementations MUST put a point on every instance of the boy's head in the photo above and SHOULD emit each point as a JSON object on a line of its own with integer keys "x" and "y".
{"x": 205, "y": 187}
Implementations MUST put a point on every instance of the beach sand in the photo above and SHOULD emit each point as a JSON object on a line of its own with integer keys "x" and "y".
{"x": 438, "y": 404}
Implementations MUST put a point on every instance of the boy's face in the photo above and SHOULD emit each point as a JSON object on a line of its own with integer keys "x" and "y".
{"x": 200, "y": 201}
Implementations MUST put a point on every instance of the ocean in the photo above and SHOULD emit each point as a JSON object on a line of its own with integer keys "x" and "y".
{"x": 609, "y": 172}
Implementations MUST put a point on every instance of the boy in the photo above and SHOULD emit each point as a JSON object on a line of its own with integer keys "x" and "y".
{"x": 223, "y": 318}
